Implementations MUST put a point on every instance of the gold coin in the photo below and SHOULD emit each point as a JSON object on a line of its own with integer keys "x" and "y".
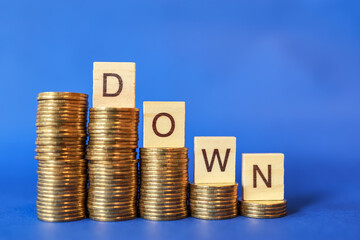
{"x": 274, "y": 203}
{"x": 117, "y": 165}
{"x": 165, "y": 190}
{"x": 62, "y": 154}
{"x": 120, "y": 117}
{"x": 99, "y": 171}
{"x": 164, "y": 172}
{"x": 213, "y": 196}
{"x": 157, "y": 199}
{"x": 49, "y": 189}
{"x": 104, "y": 205}
{"x": 60, "y": 219}
{"x": 60, "y": 211}
{"x": 62, "y": 95}
{"x": 212, "y": 202}
{"x": 264, "y": 216}
{"x": 128, "y": 126}
{"x": 149, "y": 183}
{"x": 218, "y": 211}
{"x": 243, "y": 211}
{"x": 62, "y": 103}
{"x": 110, "y": 149}
{"x": 164, "y": 159}
{"x": 113, "y": 109}
{"x": 49, "y": 149}
{"x": 77, "y": 129}
{"x": 111, "y": 219}
{"x": 163, "y": 217}
{"x": 113, "y": 122}
{"x": 163, "y": 203}
{"x": 213, "y": 186}
{"x": 60, "y": 205}
{"x": 41, "y": 112}
{"x": 109, "y": 159}
{"x": 78, "y": 163}
{"x": 122, "y": 165}
{"x": 163, "y": 149}
{"x": 62, "y": 139}
{"x": 114, "y": 139}
{"x": 164, "y": 163}
{"x": 112, "y": 133}
{"x": 65, "y": 107}
{"x": 207, "y": 217}
{"x": 111, "y": 182}
{"x": 112, "y": 193}
{"x": 263, "y": 208}
{"x": 60, "y": 215}
{"x": 223, "y": 206}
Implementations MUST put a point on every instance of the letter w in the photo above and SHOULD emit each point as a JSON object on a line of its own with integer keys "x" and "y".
{"x": 216, "y": 154}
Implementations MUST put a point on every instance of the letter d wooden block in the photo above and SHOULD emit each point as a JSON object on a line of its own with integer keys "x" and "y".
{"x": 215, "y": 159}
{"x": 164, "y": 124}
{"x": 114, "y": 84}
{"x": 263, "y": 176}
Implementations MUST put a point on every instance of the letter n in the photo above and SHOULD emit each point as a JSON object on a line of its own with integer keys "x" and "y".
{"x": 266, "y": 181}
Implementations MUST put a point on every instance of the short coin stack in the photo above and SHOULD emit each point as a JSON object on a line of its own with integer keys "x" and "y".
{"x": 61, "y": 141}
{"x": 113, "y": 167}
{"x": 263, "y": 209}
{"x": 164, "y": 183}
{"x": 213, "y": 201}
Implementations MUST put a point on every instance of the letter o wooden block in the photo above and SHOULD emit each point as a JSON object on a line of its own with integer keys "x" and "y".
{"x": 114, "y": 84}
{"x": 263, "y": 176}
{"x": 164, "y": 124}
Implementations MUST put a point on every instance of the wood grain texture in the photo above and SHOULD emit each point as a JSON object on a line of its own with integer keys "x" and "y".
{"x": 214, "y": 160}
{"x": 263, "y": 176}
{"x": 114, "y": 84}
{"x": 164, "y": 124}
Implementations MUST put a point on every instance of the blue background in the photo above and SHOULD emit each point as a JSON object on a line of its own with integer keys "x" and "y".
{"x": 281, "y": 76}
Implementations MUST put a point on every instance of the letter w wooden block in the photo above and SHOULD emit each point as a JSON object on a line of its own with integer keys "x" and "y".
{"x": 215, "y": 159}
{"x": 164, "y": 124}
{"x": 263, "y": 176}
{"x": 114, "y": 84}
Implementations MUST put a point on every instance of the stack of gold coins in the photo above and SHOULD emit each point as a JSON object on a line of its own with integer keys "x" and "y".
{"x": 163, "y": 183}
{"x": 263, "y": 209}
{"x": 213, "y": 201}
{"x": 113, "y": 167}
{"x": 61, "y": 141}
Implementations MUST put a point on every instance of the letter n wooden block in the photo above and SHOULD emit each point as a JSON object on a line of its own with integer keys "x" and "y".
{"x": 114, "y": 84}
{"x": 263, "y": 176}
{"x": 164, "y": 124}
{"x": 215, "y": 159}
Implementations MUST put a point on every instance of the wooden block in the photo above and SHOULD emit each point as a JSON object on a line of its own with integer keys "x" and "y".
{"x": 215, "y": 159}
{"x": 263, "y": 176}
{"x": 164, "y": 124}
{"x": 114, "y": 84}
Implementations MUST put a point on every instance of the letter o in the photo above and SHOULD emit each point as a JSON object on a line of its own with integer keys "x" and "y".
{"x": 172, "y": 120}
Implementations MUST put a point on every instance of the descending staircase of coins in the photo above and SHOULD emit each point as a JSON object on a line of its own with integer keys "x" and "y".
{"x": 90, "y": 169}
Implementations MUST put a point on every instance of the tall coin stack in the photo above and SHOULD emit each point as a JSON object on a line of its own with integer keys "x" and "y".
{"x": 263, "y": 209}
{"x": 213, "y": 201}
{"x": 163, "y": 183}
{"x": 113, "y": 167}
{"x": 61, "y": 141}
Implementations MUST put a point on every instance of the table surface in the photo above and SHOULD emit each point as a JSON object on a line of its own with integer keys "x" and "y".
{"x": 323, "y": 201}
